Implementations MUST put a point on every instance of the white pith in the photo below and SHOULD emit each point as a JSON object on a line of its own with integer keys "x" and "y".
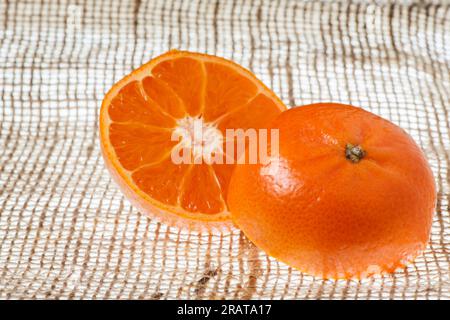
{"x": 203, "y": 139}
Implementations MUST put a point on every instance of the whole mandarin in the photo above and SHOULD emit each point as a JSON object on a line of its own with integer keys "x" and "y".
{"x": 349, "y": 194}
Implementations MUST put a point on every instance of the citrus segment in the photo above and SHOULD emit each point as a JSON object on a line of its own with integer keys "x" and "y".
{"x": 244, "y": 117}
{"x": 131, "y": 105}
{"x": 201, "y": 191}
{"x": 223, "y": 174}
{"x": 226, "y": 89}
{"x": 164, "y": 97}
{"x": 136, "y": 144}
{"x": 161, "y": 181}
{"x": 186, "y": 77}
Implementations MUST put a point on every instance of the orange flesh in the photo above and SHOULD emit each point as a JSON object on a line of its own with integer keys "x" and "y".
{"x": 140, "y": 113}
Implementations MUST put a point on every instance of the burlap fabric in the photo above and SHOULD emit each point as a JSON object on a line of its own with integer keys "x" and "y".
{"x": 66, "y": 231}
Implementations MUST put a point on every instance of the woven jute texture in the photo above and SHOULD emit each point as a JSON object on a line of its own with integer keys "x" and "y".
{"x": 66, "y": 231}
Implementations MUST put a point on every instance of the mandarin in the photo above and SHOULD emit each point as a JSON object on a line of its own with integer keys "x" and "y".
{"x": 174, "y": 95}
{"x": 349, "y": 194}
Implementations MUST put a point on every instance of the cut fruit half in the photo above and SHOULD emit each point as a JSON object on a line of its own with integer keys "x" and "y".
{"x": 172, "y": 96}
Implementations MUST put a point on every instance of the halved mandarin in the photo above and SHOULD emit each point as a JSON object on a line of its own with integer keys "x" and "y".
{"x": 171, "y": 96}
